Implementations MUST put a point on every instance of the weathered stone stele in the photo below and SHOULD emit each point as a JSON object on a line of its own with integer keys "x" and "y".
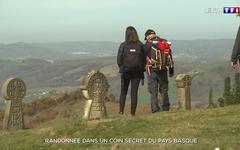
{"x": 94, "y": 89}
{"x": 183, "y": 83}
{"x": 13, "y": 90}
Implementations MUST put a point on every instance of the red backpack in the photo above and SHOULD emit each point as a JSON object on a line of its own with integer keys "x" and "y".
{"x": 164, "y": 47}
{"x": 160, "y": 56}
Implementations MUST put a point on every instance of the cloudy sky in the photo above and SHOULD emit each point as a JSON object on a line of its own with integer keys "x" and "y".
{"x": 106, "y": 20}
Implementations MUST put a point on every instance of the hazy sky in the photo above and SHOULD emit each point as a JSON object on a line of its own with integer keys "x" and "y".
{"x": 106, "y": 20}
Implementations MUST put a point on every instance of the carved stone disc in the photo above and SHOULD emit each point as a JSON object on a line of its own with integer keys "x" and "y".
{"x": 14, "y": 89}
{"x": 97, "y": 85}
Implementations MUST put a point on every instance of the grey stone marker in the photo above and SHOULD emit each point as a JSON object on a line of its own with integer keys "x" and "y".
{"x": 94, "y": 89}
{"x": 13, "y": 90}
{"x": 183, "y": 83}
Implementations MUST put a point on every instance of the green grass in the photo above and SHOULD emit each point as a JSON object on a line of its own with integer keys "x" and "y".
{"x": 212, "y": 127}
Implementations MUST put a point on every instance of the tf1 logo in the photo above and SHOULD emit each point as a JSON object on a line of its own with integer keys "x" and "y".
{"x": 231, "y": 10}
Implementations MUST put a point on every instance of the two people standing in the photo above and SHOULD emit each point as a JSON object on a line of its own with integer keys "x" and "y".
{"x": 134, "y": 58}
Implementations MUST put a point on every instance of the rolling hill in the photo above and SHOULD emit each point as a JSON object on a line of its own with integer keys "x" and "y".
{"x": 208, "y": 128}
{"x": 42, "y": 76}
{"x": 201, "y": 50}
{"x": 47, "y": 67}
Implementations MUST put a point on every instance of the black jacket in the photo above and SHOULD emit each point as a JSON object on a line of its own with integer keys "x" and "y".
{"x": 120, "y": 57}
{"x": 236, "y": 48}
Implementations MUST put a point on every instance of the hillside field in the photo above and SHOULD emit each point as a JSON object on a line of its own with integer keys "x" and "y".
{"x": 211, "y": 128}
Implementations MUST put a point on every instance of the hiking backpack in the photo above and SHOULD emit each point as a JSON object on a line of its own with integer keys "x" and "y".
{"x": 160, "y": 56}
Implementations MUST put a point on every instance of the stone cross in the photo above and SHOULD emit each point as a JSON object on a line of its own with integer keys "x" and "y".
{"x": 13, "y": 90}
{"x": 94, "y": 89}
{"x": 183, "y": 83}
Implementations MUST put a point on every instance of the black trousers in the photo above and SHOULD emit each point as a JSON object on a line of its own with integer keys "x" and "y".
{"x": 126, "y": 77}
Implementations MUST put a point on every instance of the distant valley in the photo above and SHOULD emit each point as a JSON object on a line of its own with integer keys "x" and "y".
{"x": 60, "y": 66}
{"x": 189, "y": 50}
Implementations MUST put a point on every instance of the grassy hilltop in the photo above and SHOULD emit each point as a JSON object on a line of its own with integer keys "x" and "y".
{"x": 59, "y": 115}
{"x": 217, "y": 127}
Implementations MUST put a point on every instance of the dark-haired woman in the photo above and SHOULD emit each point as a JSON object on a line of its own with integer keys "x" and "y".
{"x": 131, "y": 62}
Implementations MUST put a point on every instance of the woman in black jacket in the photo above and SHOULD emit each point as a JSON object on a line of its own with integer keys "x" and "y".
{"x": 131, "y": 62}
